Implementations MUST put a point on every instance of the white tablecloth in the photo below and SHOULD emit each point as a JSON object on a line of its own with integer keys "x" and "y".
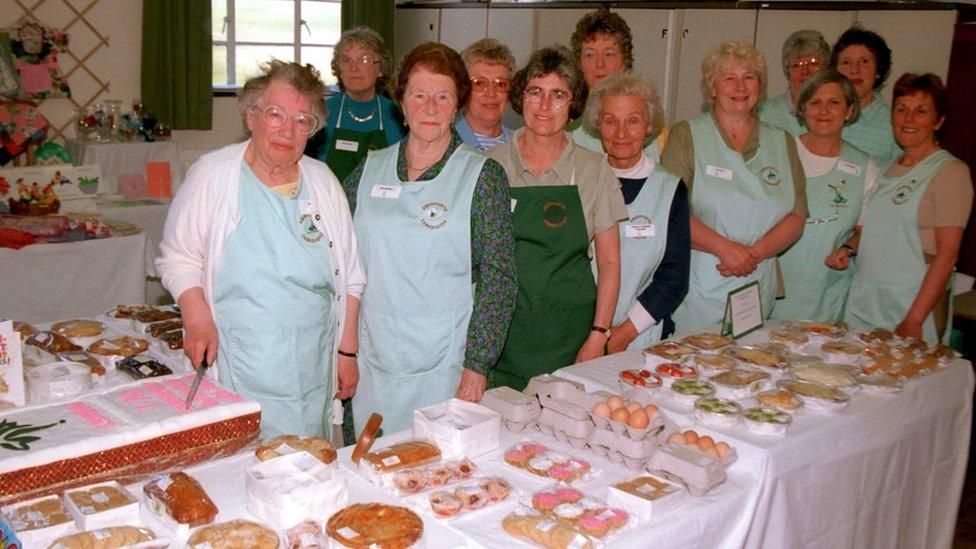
{"x": 150, "y": 216}
{"x": 58, "y": 281}
{"x": 116, "y": 159}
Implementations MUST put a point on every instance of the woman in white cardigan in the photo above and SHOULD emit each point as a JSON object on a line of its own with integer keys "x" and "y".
{"x": 260, "y": 253}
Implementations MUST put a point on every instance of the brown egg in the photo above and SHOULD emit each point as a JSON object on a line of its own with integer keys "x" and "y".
{"x": 620, "y": 414}
{"x": 676, "y": 438}
{"x": 638, "y": 419}
{"x": 602, "y": 409}
{"x": 723, "y": 450}
{"x": 706, "y": 442}
{"x": 632, "y": 406}
{"x": 615, "y": 402}
{"x": 691, "y": 437}
{"x": 712, "y": 452}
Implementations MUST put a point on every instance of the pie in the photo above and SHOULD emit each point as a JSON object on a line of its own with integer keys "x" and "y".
{"x": 758, "y": 357}
{"x": 833, "y": 328}
{"x": 708, "y": 342}
{"x": 233, "y": 534}
{"x": 780, "y": 399}
{"x": 375, "y": 525}
{"x": 119, "y": 346}
{"x": 739, "y": 378}
{"x": 320, "y": 448}
{"x": 814, "y": 390}
{"x": 877, "y": 334}
{"x": 78, "y": 327}
{"x": 786, "y": 335}
{"x": 842, "y": 348}
{"x": 670, "y": 350}
{"x": 821, "y": 373}
{"x": 714, "y": 362}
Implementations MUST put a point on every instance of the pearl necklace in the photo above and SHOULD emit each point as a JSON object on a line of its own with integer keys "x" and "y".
{"x": 362, "y": 119}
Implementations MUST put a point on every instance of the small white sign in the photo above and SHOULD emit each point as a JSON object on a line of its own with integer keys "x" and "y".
{"x": 386, "y": 191}
{"x": 848, "y": 167}
{"x": 719, "y": 172}
{"x": 514, "y": 202}
{"x": 743, "y": 311}
{"x": 11, "y": 365}
{"x": 639, "y": 230}
{"x": 346, "y": 145}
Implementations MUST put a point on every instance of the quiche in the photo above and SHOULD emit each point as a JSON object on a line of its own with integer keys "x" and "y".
{"x": 375, "y": 525}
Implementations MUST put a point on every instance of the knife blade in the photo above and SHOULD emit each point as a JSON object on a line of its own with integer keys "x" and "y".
{"x": 196, "y": 382}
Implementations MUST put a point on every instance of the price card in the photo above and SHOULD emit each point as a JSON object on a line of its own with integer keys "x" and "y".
{"x": 11, "y": 365}
{"x": 743, "y": 311}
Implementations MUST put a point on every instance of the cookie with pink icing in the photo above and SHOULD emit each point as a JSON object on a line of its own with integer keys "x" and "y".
{"x": 568, "y": 495}
{"x": 546, "y": 501}
{"x": 594, "y": 525}
{"x": 517, "y": 458}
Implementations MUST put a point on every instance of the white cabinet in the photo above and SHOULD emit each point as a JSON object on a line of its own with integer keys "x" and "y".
{"x": 516, "y": 28}
{"x": 414, "y": 27}
{"x": 650, "y": 30}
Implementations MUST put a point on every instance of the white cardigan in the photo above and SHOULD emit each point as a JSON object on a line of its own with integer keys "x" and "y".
{"x": 204, "y": 213}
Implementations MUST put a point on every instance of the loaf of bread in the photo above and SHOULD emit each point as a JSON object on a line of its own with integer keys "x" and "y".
{"x": 234, "y": 534}
{"x": 39, "y": 514}
{"x": 100, "y": 498}
{"x": 181, "y": 497}
{"x": 404, "y": 454}
{"x": 104, "y": 538}
{"x": 320, "y": 448}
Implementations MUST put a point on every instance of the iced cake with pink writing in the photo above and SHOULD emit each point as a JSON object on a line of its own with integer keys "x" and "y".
{"x": 120, "y": 433}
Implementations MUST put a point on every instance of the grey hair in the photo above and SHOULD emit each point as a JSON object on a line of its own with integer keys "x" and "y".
{"x": 624, "y": 83}
{"x": 491, "y": 51}
{"x": 371, "y": 40}
{"x": 304, "y": 78}
{"x": 727, "y": 52}
{"x": 556, "y": 60}
{"x": 812, "y": 84}
{"x": 801, "y": 42}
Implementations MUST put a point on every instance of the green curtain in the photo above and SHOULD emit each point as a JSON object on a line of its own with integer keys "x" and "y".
{"x": 376, "y": 14}
{"x": 177, "y": 62}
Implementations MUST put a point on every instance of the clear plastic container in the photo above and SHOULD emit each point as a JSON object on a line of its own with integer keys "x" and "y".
{"x": 718, "y": 411}
{"x": 767, "y": 421}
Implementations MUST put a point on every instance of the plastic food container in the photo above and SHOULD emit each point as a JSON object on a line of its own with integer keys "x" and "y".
{"x": 758, "y": 357}
{"x": 708, "y": 342}
{"x": 767, "y": 421}
{"x": 820, "y": 331}
{"x": 816, "y": 396}
{"x": 841, "y": 352}
{"x": 674, "y": 371}
{"x": 688, "y": 391}
{"x": 717, "y": 411}
{"x": 639, "y": 379}
{"x": 643, "y": 496}
{"x": 737, "y": 384}
{"x": 831, "y": 376}
{"x": 586, "y": 514}
{"x": 109, "y": 351}
{"x": 436, "y": 476}
{"x": 81, "y": 331}
{"x": 539, "y": 460}
{"x": 289, "y": 489}
{"x": 710, "y": 364}
{"x": 57, "y": 380}
{"x": 101, "y": 505}
{"x": 39, "y": 521}
{"x": 668, "y": 350}
{"x": 459, "y": 428}
{"x": 517, "y": 409}
{"x": 795, "y": 340}
{"x": 620, "y": 448}
{"x": 468, "y": 498}
{"x": 780, "y": 399}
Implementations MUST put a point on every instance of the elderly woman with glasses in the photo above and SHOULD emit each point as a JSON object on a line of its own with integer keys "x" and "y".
{"x": 805, "y": 53}
{"x": 564, "y": 198}
{"x": 490, "y": 65}
{"x": 260, "y": 252}
{"x": 360, "y": 118}
{"x": 435, "y": 231}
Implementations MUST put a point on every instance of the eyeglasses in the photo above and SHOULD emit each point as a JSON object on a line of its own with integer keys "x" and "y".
{"x": 811, "y": 63}
{"x": 559, "y": 98}
{"x": 480, "y": 84}
{"x": 275, "y": 117}
{"x": 362, "y": 61}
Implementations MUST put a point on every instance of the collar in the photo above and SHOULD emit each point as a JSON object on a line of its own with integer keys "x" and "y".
{"x": 641, "y": 170}
{"x": 563, "y": 167}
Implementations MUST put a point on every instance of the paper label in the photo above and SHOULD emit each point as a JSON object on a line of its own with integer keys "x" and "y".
{"x": 346, "y": 145}
{"x": 514, "y": 202}
{"x": 285, "y": 449}
{"x": 646, "y": 489}
{"x": 347, "y": 532}
{"x": 848, "y": 167}
{"x": 639, "y": 230}
{"x": 546, "y": 525}
{"x": 99, "y": 497}
{"x": 390, "y": 460}
{"x": 163, "y": 482}
{"x": 37, "y": 516}
{"x": 144, "y": 370}
{"x": 386, "y": 191}
{"x": 87, "y": 509}
{"x": 101, "y": 534}
{"x": 719, "y": 172}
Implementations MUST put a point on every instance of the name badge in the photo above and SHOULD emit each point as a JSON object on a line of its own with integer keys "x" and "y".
{"x": 639, "y": 230}
{"x": 514, "y": 202}
{"x": 719, "y": 172}
{"x": 848, "y": 167}
{"x": 305, "y": 208}
{"x": 346, "y": 145}
{"x": 386, "y": 191}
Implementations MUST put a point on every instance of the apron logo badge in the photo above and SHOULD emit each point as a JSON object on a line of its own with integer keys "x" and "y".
{"x": 435, "y": 215}
{"x": 769, "y": 175}
{"x": 641, "y": 220}
{"x": 554, "y": 214}
{"x": 839, "y": 190}
{"x": 309, "y": 232}
{"x": 901, "y": 194}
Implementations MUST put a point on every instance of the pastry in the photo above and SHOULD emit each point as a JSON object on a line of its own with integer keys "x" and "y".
{"x": 234, "y": 534}
{"x": 173, "y": 340}
{"x": 126, "y": 311}
{"x": 831, "y": 328}
{"x": 181, "y": 497}
{"x": 823, "y": 374}
{"x": 148, "y": 316}
{"x": 472, "y": 497}
{"x": 100, "y": 498}
{"x": 39, "y": 514}
{"x": 598, "y": 522}
{"x": 124, "y": 346}
{"x": 83, "y": 358}
{"x": 758, "y": 357}
{"x": 568, "y": 513}
{"x": 375, "y": 525}
{"x": 708, "y": 342}
{"x": 320, "y": 448}
{"x": 158, "y": 328}
{"x": 813, "y": 390}
{"x": 142, "y": 367}
{"x": 876, "y": 335}
{"x": 780, "y": 399}
{"x": 464, "y": 469}
{"x": 445, "y": 503}
{"x": 78, "y": 327}
{"x": 439, "y": 476}
{"x": 26, "y": 330}
{"x": 789, "y": 336}
{"x": 305, "y": 534}
{"x": 842, "y": 348}
{"x": 52, "y": 342}
{"x": 739, "y": 378}
{"x": 105, "y": 538}
{"x": 713, "y": 362}
{"x": 410, "y": 481}
{"x": 670, "y": 350}
{"x": 498, "y": 488}
{"x": 570, "y": 470}
{"x": 544, "y": 531}
{"x": 402, "y": 455}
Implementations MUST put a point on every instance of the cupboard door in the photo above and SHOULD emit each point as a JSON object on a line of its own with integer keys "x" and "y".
{"x": 414, "y": 27}
{"x": 514, "y": 28}
{"x": 461, "y": 27}
{"x": 650, "y": 28}
{"x": 556, "y": 26}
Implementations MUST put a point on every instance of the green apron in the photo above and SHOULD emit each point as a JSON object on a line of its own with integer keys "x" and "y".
{"x": 890, "y": 263}
{"x": 273, "y": 305}
{"x": 556, "y": 293}
{"x": 740, "y": 200}
{"x": 814, "y": 291}
{"x": 347, "y": 148}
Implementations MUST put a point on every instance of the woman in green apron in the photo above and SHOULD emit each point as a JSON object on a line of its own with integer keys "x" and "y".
{"x": 435, "y": 235}
{"x": 564, "y": 198}
{"x": 260, "y": 252}
{"x": 838, "y": 178}
{"x": 865, "y": 58}
{"x": 913, "y": 224}
{"x": 747, "y": 197}
{"x": 805, "y": 53}
{"x": 360, "y": 118}
{"x": 655, "y": 242}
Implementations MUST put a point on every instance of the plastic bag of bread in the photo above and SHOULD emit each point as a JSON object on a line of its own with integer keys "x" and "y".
{"x": 404, "y": 454}
{"x": 180, "y": 497}
{"x": 234, "y": 534}
{"x": 544, "y": 531}
{"x": 105, "y": 538}
{"x": 320, "y": 448}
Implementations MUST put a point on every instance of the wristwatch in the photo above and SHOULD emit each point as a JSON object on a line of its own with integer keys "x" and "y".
{"x": 851, "y": 252}
{"x": 601, "y": 329}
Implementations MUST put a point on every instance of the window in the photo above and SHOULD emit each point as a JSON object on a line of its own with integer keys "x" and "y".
{"x": 249, "y": 32}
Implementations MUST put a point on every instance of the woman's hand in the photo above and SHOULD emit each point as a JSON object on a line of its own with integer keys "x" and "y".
{"x": 348, "y": 377}
{"x": 909, "y": 328}
{"x": 839, "y": 259}
{"x": 591, "y": 348}
{"x": 621, "y": 336}
{"x": 735, "y": 260}
{"x": 199, "y": 330}
{"x": 472, "y": 386}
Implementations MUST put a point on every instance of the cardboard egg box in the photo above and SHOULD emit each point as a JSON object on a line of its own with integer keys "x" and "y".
{"x": 518, "y": 410}
{"x": 565, "y": 408}
{"x": 696, "y": 471}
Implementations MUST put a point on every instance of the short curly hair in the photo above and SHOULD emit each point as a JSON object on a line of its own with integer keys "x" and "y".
{"x": 859, "y": 36}
{"x": 606, "y": 22}
{"x": 552, "y": 60}
{"x": 722, "y": 55}
{"x": 491, "y": 51}
{"x": 438, "y": 59}
{"x": 371, "y": 40}
{"x": 304, "y": 78}
{"x": 624, "y": 83}
{"x": 930, "y": 84}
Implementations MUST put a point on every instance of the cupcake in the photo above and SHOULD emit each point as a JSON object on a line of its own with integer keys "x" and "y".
{"x": 498, "y": 488}
{"x": 410, "y": 481}
{"x": 444, "y": 504}
{"x": 472, "y": 497}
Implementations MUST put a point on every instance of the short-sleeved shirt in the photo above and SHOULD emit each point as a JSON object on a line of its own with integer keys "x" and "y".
{"x": 599, "y": 188}
{"x": 946, "y": 203}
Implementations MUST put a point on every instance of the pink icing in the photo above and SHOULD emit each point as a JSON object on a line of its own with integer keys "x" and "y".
{"x": 200, "y": 400}
{"x": 534, "y": 448}
{"x": 545, "y": 500}
{"x": 592, "y": 522}
{"x": 516, "y": 455}
{"x": 167, "y": 398}
{"x": 137, "y": 400}
{"x": 217, "y": 392}
{"x": 569, "y": 494}
{"x": 561, "y": 472}
{"x": 90, "y": 415}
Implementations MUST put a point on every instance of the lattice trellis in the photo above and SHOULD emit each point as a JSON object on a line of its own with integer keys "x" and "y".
{"x": 77, "y": 23}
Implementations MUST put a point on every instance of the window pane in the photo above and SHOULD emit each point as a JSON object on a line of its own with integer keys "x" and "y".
{"x": 218, "y": 10}
{"x": 321, "y": 57}
{"x": 219, "y": 73}
{"x": 248, "y": 58}
{"x": 265, "y": 21}
{"x": 323, "y": 22}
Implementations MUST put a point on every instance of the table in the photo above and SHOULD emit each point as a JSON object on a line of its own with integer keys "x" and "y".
{"x": 150, "y": 216}
{"x": 117, "y": 159}
{"x": 73, "y": 279}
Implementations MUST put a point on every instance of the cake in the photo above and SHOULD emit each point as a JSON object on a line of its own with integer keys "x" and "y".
{"x": 118, "y": 433}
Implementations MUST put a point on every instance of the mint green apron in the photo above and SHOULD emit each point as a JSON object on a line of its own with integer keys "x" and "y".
{"x": 871, "y": 132}
{"x": 741, "y": 201}
{"x": 415, "y": 241}
{"x": 347, "y": 148}
{"x": 556, "y": 291}
{"x": 890, "y": 262}
{"x": 814, "y": 291}
{"x": 643, "y": 240}
{"x": 273, "y": 305}
{"x": 775, "y": 111}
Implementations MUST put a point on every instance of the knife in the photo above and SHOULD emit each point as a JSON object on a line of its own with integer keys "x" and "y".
{"x": 196, "y": 381}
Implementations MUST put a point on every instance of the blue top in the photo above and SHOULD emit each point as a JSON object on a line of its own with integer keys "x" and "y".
{"x": 317, "y": 146}
{"x": 481, "y": 143}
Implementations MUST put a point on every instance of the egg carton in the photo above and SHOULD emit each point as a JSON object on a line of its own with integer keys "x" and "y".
{"x": 518, "y": 410}
{"x": 574, "y": 432}
{"x": 696, "y": 471}
{"x": 565, "y": 408}
{"x": 622, "y": 449}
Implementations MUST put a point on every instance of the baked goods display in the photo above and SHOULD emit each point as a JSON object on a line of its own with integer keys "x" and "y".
{"x": 52, "y": 342}
{"x": 79, "y": 327}
{"x": 767, "y": 421}
{"x": 400, "y": 456}
{"x": 717, "y": 411}
{"x": 152, "y": 315}
{"x": 375, "y": 525}
{"x": 100, "y": 498}
{"x": 37, "y": 514}
{"x": 712, "y": 364}
{"x": 569, "y": 507}
{"x": 670, "y": 350}
{"x": 433, "y": 477}
{"x": 105, "y": 538}
{"x": 708, "y": 342}
{"x": 234, "y": 534}
{"x": 541, "y": 461}
{"x": 816, "y": 396}
{"x": 320, "y": 448}
{"x": 780, "y": 399}
{"x": 181, "y": 498}
{"x": 738, "y": 384}
{"x": 469, "y": 497}
{"x": 122, "y": 346}
{"x": 757, "y": 357}
{"x": 544, "y": 531}
{"x": 142, "y": 367}
{"x": 824, "y": 374}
